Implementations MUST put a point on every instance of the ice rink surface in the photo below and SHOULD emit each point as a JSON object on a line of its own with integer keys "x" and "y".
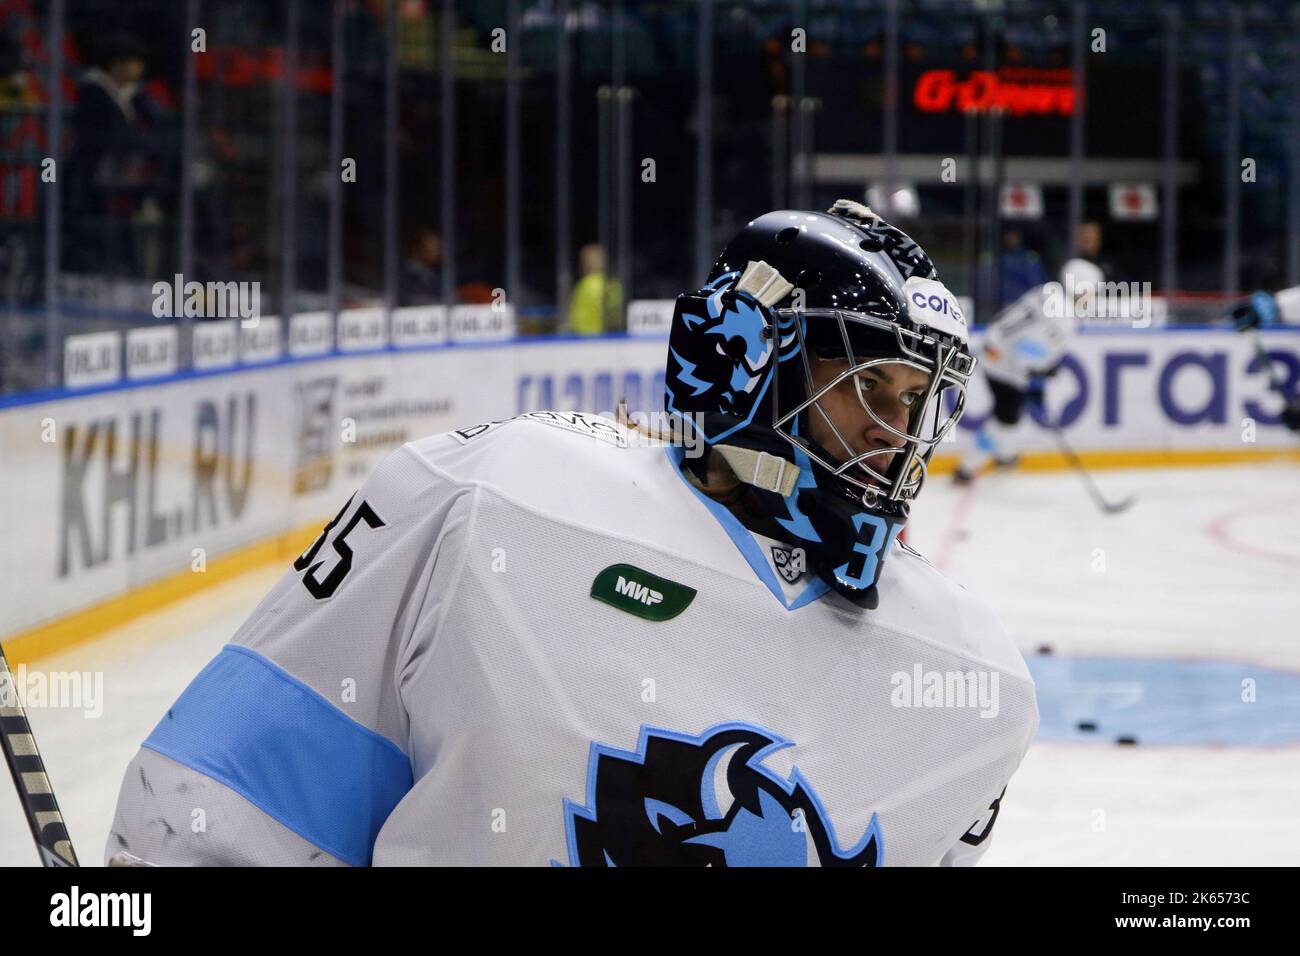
{"x": 1175, "y": 625}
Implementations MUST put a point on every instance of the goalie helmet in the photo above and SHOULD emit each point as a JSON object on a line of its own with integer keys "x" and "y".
{"x": 791, "y": 289}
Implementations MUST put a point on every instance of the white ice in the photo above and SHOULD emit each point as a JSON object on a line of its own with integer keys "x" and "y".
{"x": 1206, "y": 564}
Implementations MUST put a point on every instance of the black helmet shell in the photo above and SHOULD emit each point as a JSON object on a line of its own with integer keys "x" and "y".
{"x": 837, "y": 263}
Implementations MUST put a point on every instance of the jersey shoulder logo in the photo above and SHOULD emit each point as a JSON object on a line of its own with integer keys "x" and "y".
{"x": 707, "y": 800}
{"x": 641, "y": 593}
{"x": 580, "y": 423}
{"x": 790, "y": 562}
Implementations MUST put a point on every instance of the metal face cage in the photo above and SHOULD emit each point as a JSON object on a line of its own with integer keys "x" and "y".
{"x": 866, "y": 341}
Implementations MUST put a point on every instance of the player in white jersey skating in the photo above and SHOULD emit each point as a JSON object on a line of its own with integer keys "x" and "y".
{"x": 1023, "y": 347}
{"x": 550, "y": 641}
{"x": 1265, "y": 310}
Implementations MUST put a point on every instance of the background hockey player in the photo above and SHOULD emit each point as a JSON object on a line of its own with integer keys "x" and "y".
{"x": 1023, "y": 347}
{"x": 541, "y": 641}
{"x": 1261, "y": 311}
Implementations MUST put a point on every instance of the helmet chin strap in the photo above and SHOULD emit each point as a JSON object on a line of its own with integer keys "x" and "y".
{"x": 760, "y": 469}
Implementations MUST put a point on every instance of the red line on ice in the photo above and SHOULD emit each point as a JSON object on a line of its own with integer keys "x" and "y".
{"x": 1219, "y": 528}
{"x": 956, "y": 522}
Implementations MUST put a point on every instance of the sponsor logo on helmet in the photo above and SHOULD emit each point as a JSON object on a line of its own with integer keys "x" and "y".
{"x": 937, "y": 303}
{"x": 930, "y": 303}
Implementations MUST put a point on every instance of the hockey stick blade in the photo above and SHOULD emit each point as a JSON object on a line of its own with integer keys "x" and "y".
{"x": 1115, "y": 507}
{"x": 1105, "y": 505}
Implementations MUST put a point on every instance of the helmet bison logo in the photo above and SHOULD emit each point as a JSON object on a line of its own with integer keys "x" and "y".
{"x": 681, "y": 800}
{"x": 720, "y": 351}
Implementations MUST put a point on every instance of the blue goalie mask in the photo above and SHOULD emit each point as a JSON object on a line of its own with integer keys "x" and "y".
{"x": 801, "y": 310}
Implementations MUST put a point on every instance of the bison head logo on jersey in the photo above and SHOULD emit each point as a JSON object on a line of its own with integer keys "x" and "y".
{"x": 680, "y": 800}
{"x": 720, "y": 351}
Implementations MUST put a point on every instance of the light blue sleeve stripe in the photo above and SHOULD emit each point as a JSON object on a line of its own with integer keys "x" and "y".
{"x": 249, "y": 724}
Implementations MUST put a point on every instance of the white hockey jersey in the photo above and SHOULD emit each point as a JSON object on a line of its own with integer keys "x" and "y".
{"x": 1025, "y": 339}
{"x": 1288, "y": 305}
{"x": 534, "y": 642}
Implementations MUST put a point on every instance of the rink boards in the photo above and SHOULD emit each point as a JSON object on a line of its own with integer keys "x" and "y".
{"x": 123, "y": 495}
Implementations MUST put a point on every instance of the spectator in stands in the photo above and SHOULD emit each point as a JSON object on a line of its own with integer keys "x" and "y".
{"x": 422, "y": 269}
{"x": 597, "y": 300}
{"x": 16, "y": 88}
{"x": 112, "y": 172}
{"x": 1087, "y": 245}
{"x": 1021, "y": 268}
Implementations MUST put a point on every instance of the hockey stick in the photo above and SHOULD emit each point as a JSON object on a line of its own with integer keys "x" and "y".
{"x": 1261, "y": 355}
{"x": 1100, "y": 500}
{"x": 28, "y": 770}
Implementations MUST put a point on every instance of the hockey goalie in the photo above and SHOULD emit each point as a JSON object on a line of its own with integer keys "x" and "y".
{"x": 547, "y": 641}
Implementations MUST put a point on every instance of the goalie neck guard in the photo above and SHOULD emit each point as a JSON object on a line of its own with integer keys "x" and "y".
{"x": 794, "y": 288}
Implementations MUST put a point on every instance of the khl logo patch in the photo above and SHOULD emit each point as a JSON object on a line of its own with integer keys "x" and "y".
{"x": 791, "y": 562}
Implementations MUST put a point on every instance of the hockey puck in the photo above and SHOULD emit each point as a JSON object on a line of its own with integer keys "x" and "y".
{"x": 1087, "y": 726}
{"x": 1126, "y": 741}
{"x": 1044, "y": 648}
